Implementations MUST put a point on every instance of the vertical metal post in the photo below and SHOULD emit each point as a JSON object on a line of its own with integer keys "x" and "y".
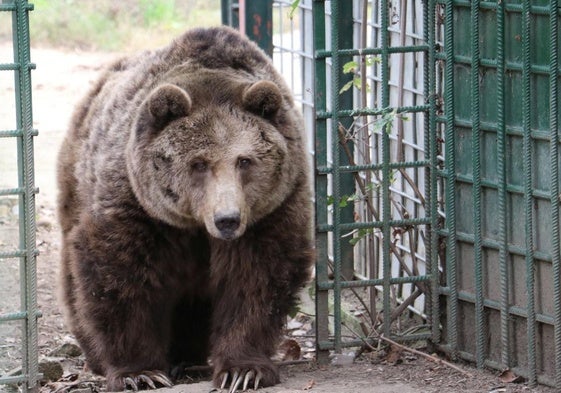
{"x": 24, "y": 117}
{"x": 432, "y": 170}
{"x": 554, "y": 199}
{"x": 451, "y": 245}
{"x": 386, "y": 208}
{"x": 343, "y": 28}
{"x": 502, "y": 190}
{"x": 256, "y": 21}
{"x": 336, "y": 175}
{"x": 528, "y": 190}
{"x": 477, "y": 188}
{"x": 321, "y": 192}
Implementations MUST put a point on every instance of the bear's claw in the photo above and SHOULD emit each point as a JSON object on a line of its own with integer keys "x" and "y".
{"x": 147, "y": 378}
{"x": 245, "y": 376}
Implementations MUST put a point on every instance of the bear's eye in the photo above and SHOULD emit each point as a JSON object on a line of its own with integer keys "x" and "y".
{"x": 199, "y": 166}
{"x": 244, "y": 163}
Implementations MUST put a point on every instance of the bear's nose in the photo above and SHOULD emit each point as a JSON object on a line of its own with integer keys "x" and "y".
{"x": 227, "y": 224}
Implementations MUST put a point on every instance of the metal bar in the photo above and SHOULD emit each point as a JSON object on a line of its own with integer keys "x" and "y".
{"x": 432, "y": 172}
{"x": 13, "y": 254}
{"x": 321, "y": 183}
{"x": 510, "y": 7}
{"x": 510, "y": 131}
{"x": 476, "y": 157}
{"x": 450, "y": 146}
{"x": 373, "y": 111}
{"x": 374, "y": 51}
{"x": 375, "y": 224}
{"x": 502, "y": 193}
{"x": 374, "y": 167}
{"x": 16, "y": 133}
{"x": 258, "y": 23}
{"x": 326, "y": 285}
{"x": 13, "y": 317}
{"x": 336, "y": 176}
{"x": 20, "y": 21}
{"x": 554, "y": 176}
{"x": 386, "y": 203}
{"x": 528, "y": 200}
{"x": 510, "y": 65}
{"x": 328, "y": 345}
{"x": 343, "y": 28}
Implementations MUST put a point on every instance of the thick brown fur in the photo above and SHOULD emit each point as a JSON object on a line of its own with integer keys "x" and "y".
{"x": 185, "y": 211}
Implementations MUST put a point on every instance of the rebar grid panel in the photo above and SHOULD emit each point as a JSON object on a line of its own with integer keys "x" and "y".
{"x": 501, "y": 181}
{"x": 393, "y": 160}
{"x": 25, "y": 191}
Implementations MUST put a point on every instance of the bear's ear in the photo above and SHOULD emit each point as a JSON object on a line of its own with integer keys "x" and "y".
{"x": 262, "y": 98}
{"x": 165, "y": 104}
{"x": 169, "y": 102}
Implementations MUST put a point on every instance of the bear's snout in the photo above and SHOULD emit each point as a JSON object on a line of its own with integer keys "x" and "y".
{"x": 227, "y": 224}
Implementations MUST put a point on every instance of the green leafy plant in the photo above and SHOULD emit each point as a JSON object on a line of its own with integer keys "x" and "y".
{"x": 353, "y": 67}
{"x": 293, "y": 7}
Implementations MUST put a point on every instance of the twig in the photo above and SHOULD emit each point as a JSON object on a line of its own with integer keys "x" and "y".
{"x": 425, "y": 355}
{"x": 411, "y": 350}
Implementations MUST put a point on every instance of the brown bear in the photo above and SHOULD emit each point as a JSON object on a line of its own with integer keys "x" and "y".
{"x": 185, "y": 209}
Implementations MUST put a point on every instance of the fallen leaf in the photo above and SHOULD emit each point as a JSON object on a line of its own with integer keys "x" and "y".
{"x": 507, "y": 376}
{"x": 310, "y": 385}
{"x": 393, "y": 356}
{"x": 289, "y": 350}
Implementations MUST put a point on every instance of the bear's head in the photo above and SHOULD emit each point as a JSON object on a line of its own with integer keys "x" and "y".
{"x": 212, "y": 153}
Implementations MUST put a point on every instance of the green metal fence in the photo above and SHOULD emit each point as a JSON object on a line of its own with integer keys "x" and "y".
{"x": 382, "y": 139}
{"x": 500, "y": 73}
{"x": 455, "y": 209}
{"x": 19, "y": 325}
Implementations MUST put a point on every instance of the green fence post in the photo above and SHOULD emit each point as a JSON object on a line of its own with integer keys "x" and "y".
{"x": 259, "y": 23}
{"x": 321, "y": 188}
{"x": 26, "y": 192}
{"x": 344, "y": 30}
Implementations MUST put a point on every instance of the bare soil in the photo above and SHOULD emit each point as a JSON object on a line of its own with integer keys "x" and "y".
{"x": 60, "y": 79}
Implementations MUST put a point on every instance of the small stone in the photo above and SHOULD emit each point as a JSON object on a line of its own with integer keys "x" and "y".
{"x": 343, "y": 359}
{"x": 67, "y": 350}
{"x": 293, "y": 324}
{"x": 45, "y": 223}
{"x": 51, "y": 369}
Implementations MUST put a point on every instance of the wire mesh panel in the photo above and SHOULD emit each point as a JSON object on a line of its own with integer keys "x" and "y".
{"x": 18, "y": 326}
{"x": 499, "y": 79}
{"x": 376, "y": 162}
{"x": 293, "y": 54}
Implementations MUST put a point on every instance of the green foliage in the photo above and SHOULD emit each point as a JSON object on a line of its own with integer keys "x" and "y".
{"x": 361, "y": 234}
{"x": 157, "y": 12}
{"x": 352, "y": 67}
{"x": 117, "y": 25}
{"x": 293, "y": 7}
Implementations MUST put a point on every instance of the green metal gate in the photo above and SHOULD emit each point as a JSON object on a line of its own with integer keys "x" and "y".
{"x": 18, "y": 327}
{"x": 451, "y": 141}
{"x": 500, "y": 72}
{"x": 376, "y": 171}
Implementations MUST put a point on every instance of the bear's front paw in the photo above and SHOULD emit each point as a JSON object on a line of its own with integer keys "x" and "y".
{"x": 148, "y": 379}
{"x": 255, "y": 377}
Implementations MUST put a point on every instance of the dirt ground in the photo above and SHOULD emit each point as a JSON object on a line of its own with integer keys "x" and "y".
{"x": 60, "y": 79}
